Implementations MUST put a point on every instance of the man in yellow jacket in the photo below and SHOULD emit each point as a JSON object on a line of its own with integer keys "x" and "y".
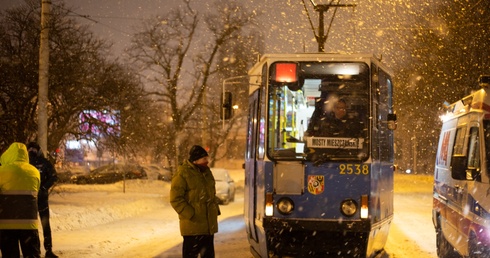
{"x": 193, "y": 197}
{"x": 19, "y": 185}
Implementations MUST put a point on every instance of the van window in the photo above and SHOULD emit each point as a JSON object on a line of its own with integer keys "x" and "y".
{"x": 486, "y": 134}
{"x": 473, "y": 150}
{"x": 459, "y": 141}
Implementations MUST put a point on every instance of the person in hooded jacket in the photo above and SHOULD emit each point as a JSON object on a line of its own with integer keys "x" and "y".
{"x": 193, "y": 197}
{"x": 48, "y": 178}
{"x": 19, "y": 186}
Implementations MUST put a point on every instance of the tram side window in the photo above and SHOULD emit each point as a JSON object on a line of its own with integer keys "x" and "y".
{"x": 287, "y": 115}
{"x": 250, "y": 132}
{"x": 375, "y": 105}
{"x": 384, "y": 108}
{"x": 262, "y": 113}
{"x": 262, "y": 124}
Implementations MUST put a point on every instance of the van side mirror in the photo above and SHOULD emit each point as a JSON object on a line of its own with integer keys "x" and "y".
{"x": 391, "y": 121}
{"x": 473, "y": 174}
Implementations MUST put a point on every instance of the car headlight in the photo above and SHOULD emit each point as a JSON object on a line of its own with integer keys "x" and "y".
{"x": 285, "y": 206}
{"x": 348, "y": 207}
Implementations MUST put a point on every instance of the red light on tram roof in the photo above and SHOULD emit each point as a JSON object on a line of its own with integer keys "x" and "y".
{"x": 286, "y": 72}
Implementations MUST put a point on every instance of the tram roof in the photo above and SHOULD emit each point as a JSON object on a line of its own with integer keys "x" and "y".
{"x": 321, "y": 57}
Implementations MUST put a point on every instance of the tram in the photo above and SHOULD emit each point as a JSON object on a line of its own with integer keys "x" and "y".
{"x": 319, "y": 157}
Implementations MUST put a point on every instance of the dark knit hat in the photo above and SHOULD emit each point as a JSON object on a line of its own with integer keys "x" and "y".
{"x": 196, "y": 153}
{"x": 34, "y": 145}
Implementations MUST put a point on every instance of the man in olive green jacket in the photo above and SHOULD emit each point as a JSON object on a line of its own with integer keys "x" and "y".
{"x": 193, "y": 197}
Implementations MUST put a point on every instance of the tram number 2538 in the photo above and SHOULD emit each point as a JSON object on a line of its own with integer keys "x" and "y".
{"x": 354, "y": 169}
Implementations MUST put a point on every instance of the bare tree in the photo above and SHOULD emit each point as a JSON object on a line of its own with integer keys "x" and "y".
{"x": 178, "y": 55}
{"x": 81, "y": 78}
{"x": 236, "y": 58}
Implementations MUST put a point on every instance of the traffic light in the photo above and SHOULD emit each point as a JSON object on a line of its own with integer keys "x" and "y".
{"x": 227, "y": 108}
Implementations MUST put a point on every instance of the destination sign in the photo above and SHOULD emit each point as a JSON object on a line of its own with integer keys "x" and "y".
{"x": 334, "y": 142}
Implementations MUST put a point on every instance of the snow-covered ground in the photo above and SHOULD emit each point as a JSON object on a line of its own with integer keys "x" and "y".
{"x": 104, "y": 221}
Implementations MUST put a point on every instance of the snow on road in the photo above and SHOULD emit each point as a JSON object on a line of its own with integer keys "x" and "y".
{"x": 412, "y": 233}
{"x": 103, "y": 221}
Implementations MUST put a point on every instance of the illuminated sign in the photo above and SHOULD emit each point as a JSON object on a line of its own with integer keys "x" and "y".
{"x": 96, "y": 123}
{"x": 334, "y": 143}
{"x": 285, "y": 72}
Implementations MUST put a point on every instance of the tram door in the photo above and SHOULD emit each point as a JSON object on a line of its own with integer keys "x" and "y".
{"x": 251, "y": 166}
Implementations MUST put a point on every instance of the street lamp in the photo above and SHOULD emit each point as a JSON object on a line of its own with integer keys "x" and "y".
{"x": 321, "y": 8}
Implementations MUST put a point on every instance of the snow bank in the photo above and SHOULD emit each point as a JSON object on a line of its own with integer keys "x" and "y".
{"x": 82, "y": 206}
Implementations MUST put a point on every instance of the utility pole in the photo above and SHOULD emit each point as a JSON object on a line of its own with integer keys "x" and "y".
{"x": 42, "y": 103}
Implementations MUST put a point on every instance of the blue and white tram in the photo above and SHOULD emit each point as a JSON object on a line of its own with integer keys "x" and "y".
{"x": 311, "y": 192}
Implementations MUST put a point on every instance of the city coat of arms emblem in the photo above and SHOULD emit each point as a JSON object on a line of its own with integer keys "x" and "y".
{"x": 316, "y": 184}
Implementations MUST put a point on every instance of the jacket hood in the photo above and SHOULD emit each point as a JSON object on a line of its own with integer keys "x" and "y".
{"x": 16, "y": 152}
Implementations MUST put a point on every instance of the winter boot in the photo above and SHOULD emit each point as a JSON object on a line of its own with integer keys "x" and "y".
{"x": 50, "y": 254}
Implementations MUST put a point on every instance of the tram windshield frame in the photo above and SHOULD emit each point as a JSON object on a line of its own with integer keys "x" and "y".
{"x": 322, "y": 117}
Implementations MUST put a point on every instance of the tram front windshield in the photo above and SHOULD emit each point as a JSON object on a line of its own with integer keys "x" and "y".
{"x": 324, "y": 117}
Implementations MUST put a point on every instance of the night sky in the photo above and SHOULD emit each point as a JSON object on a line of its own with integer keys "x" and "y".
{"x": 375, "y": 26}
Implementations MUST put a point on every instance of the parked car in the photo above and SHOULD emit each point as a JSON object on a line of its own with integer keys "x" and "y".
{"x": 225, "y": 186}
{"x": 65, "y": 174}
{"x": 158, "y": 172}
{"x": 165, "y": 175}
{"x": 110, "y": 174}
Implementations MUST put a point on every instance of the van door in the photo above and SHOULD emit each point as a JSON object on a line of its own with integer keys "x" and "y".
{"x": 453, "y": 195}
{"x": 465, "y": 167}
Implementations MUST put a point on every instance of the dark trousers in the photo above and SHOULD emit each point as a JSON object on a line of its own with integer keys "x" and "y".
{"x": 195, "y": 245}
{"x": 28, "y": 239}
{"x": 44, "y": 215}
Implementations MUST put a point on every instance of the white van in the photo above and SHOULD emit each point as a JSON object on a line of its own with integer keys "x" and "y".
{"x": 461, "y": 199}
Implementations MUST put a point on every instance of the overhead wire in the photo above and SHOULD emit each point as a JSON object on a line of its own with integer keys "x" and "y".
{"x": 331, "y": 20}
{"x": 91, "y": 18}
{"x": 309, "y": 18}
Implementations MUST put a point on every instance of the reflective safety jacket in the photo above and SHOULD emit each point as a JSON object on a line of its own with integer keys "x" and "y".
{"x": 19, "y": 186}
{"x": 193, "y": 197}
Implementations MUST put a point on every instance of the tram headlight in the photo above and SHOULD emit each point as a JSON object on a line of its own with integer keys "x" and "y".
{"x": 348, "y": 207}
{"x": 285, "y": 206}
